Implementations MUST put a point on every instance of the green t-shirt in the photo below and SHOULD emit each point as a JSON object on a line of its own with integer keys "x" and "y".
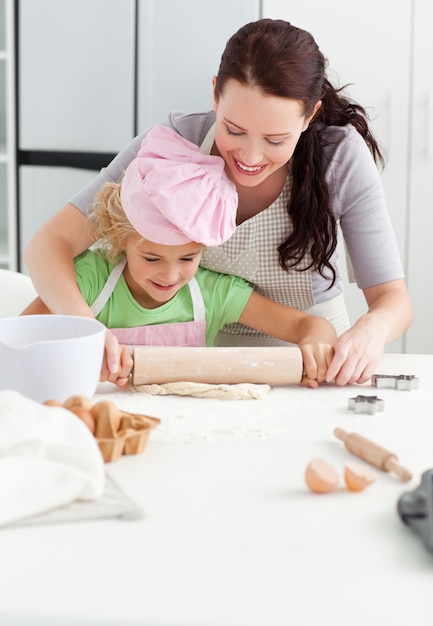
{"x": 224, "y": 296}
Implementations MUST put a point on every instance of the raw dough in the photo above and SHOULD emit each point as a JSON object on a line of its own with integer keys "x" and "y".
{"x": 240, "y": 391}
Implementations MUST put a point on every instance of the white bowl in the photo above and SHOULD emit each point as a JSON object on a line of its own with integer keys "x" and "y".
{"x": 51, "y": 356}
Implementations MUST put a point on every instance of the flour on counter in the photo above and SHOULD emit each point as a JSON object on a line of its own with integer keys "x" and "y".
{"x": 208, "y": 420}
{"x": 240, "y": 391}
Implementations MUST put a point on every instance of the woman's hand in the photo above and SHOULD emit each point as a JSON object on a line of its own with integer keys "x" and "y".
{"x": 359, "y": 350}
{"x": 316, "y": 358}
{"x": 357, "y": 353}
{"x": 118, "y": 362}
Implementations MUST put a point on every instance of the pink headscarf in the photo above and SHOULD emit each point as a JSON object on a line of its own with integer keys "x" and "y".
{"x": 172, "y": 193}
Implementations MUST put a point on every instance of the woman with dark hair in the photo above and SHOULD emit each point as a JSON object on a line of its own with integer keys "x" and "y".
{"x": 303, "y": 161}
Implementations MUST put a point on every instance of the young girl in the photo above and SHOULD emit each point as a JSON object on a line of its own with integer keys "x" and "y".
{"x": 146, "y": 285}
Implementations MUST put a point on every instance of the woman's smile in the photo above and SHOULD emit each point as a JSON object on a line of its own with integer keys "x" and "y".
{"x": 249, "y": 170}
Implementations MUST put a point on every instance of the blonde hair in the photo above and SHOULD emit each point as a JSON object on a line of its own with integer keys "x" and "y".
{"x": 112, "y": 225}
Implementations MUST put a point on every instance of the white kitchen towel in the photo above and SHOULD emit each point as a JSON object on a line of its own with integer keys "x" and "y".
{"x": 48, "y": 458}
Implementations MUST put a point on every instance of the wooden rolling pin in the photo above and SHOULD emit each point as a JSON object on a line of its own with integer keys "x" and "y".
{"x": 372, "y": 453}
{"x": 166, "y": 364}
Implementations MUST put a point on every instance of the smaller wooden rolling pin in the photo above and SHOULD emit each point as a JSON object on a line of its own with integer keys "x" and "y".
{"x": 372, "y": 453}
{"x": 267, "y": 365}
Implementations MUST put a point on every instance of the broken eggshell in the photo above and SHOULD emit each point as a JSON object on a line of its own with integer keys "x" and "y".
{"x": 357, "y": 476}
{"x": 320, "y": 476}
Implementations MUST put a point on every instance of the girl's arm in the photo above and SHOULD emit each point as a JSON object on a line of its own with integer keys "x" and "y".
{"x": 358, "y": 350}
{"x": 314, "y": 335}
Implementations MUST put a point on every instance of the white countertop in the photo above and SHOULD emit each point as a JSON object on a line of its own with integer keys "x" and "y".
{"x": 231, "y": 536}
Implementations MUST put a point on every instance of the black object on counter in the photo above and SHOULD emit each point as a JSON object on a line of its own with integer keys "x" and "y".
{"x": 416, "y": 509}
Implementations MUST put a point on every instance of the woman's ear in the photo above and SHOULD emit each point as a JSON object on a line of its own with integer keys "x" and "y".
{"x": 313, "y": 114}
{"x": 215, "y": 101}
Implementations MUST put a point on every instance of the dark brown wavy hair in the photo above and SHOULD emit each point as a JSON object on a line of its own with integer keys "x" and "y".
{"x": 285, "y": 61}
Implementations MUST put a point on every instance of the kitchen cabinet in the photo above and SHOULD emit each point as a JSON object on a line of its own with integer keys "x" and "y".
{"x": 7, "y": 138}
{"x": 383, "y": 51}
{"x": 76, "y": 75}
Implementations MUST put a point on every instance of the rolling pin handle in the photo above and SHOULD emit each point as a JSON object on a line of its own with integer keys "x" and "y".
{"x": 391, "y": 464}
{"x": 340, "y": 433}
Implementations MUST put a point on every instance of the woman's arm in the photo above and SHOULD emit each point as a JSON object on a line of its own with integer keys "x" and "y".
{"x": 314, "y": 335}
{"x": 50, "y": 260}
{"x": 358, "y": 350}
{"x": 358, "y": 195}
{"x": 37, "y": 307}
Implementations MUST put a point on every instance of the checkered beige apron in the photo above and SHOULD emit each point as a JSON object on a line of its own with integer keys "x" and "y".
{"x": 252, "y": 254}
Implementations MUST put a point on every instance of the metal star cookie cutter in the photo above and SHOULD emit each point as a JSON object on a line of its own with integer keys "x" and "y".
{"x": 366, "y": 404}
{"x": 401, "y": 382}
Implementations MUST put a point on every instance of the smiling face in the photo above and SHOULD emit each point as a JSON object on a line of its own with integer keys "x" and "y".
{"x": 155, "y": 272}
{"x": 256, "y": 134}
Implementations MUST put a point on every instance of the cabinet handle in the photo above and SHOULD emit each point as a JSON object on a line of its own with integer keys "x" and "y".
{"x": 428, "y": 127}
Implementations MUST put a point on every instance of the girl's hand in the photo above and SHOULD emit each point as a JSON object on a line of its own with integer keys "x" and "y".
{"x": 118, "y": 362}
{"x": 316, "y": 358}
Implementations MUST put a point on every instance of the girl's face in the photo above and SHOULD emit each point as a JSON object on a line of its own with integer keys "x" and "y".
{"x": 256, "y": 134}
{"x": 155, "y": 272}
